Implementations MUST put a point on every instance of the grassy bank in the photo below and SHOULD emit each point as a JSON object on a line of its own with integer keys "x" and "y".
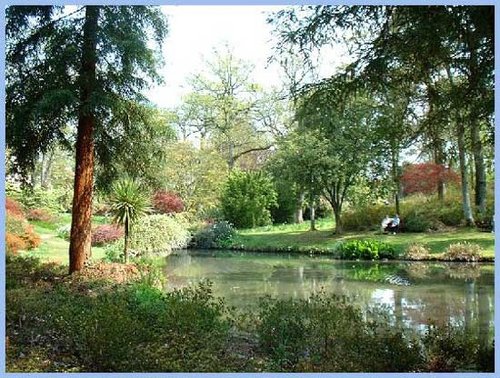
{"x": 298, "y": 237}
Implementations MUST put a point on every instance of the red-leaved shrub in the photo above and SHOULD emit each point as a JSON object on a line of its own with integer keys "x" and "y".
{"x": 14, "y": 243}
{"x": 106, "y": 233}
{"x": 19, "y": 234}
{"x": 39, "y": 215}
{"x": 167, "y": 202}
{"x": 13, "y": 207}
{"x": 424, "y": 177}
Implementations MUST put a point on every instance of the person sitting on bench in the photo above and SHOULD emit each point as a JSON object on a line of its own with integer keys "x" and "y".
{"x": 385, "y": 223}
{"x": 394, "y": 225}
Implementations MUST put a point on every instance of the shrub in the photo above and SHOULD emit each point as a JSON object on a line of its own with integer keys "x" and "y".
{"x": 417, "y": 251}
{"x": 55, "y": 200}
{"x": 39, "y": 215}
{"x": 113, "y": 252}
{"x": 19, "y": 234}
{"x": 327, "y": 333}
{"x": 365, "y": 217}
{"x": 418, "y": 214}
{"x": 158, "y": 234}
{"x": 247, "y": 198}
{"x": 105, "y": 234}
{"x": 64, "y": 231}
{"x": 167, "y": 202}
{"x": 214, "y": 235}
{"x": 14, "y": 243}
{"x": 133, "y": 327}
{"x": 463, "y": 252}
{"x": 13, "y": 207}
{"x": 366, "y": 250}
{"x": 450, "y": 347}
{"x": 416, "y": 221}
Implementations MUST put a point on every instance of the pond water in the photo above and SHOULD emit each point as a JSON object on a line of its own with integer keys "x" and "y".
{"x": 414, "y": 293}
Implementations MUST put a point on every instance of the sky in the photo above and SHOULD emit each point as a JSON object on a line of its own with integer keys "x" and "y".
{"x": 194, "y": 31}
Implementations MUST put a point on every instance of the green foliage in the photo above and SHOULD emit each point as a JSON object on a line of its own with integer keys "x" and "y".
{"x": 417, "y": 221}
{"x": 216, "y": 235}
{"x": 55, "y": 200}
{"x": 128, "y": 202}
{"x": 287, "y": 199}
{"x": 64, "y": 231}
{"x": 366, "y": 250}
{"x": 247, "y": 198}
{"x": 327, "y": 333}
{"x": 183, "y": 330}
{"x": 418, "y": 214}
{"x": 158, "y": 234}
{"x": 113, "y": 252}
{"x": 366, "y": 217}
{"x": 197, "y": 175}
{"x": 43, "y": 53}
{"x": 450, "y": 346}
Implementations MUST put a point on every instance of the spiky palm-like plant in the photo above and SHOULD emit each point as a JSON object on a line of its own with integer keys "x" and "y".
{"x": 128, "y": 203}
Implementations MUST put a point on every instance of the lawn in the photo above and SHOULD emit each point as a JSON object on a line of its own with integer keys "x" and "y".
{"x": 298, "y": 236}
{"x": 54, "y": 248}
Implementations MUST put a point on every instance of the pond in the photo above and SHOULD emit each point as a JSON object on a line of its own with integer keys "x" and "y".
{"x": 414, "y": 293}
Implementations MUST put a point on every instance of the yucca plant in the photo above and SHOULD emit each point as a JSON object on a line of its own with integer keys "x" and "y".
{"x": 128, "y": 203}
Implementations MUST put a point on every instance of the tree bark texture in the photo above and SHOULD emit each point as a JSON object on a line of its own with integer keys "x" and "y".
{"x": 396, "y": 178}
{"x": 312, "y": 215}
{"x": 299, "y": 214}
{"x": 469, "y": 219}
{"x": 80, "y": 239}
{"x": 480, "y": 169}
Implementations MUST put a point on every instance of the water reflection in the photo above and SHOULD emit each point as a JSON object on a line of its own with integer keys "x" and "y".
{"x": 414, "y": 293}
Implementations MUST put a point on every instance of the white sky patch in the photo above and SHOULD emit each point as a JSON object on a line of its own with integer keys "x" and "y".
{"x": 194, "y": 32}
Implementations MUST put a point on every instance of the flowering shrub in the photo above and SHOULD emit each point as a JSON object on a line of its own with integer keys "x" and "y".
{"x": 167, "y": 202}
{"x": 158, "y": 234}
{"x": 105, "y": 234}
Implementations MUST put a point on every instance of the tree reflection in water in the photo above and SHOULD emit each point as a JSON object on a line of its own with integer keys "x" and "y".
{"x": 441, "y": 293}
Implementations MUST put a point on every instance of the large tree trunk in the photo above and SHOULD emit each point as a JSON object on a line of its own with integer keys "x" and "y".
{"x": 312, "y": 213}
{"x": 338, "y": 221}
{"x": 80, "y": 248}
{"x": 299, "y": 214}
{"x": 439, "y": 160}
{"x": 469, "y": 219}
{"x": 480, "y": 169}
{"x": 47, "y": 160}
{"x": 395, "y": 177}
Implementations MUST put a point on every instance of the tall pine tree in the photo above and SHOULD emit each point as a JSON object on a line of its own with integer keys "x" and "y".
{"x": 74, "y": 75}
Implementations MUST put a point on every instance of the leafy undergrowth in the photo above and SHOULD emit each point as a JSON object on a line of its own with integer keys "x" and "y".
{"x": 110, "y": 318}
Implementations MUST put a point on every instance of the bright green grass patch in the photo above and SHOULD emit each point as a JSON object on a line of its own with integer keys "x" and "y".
{"x": 297, "y": 236}
{"x": 53, "y": 248}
